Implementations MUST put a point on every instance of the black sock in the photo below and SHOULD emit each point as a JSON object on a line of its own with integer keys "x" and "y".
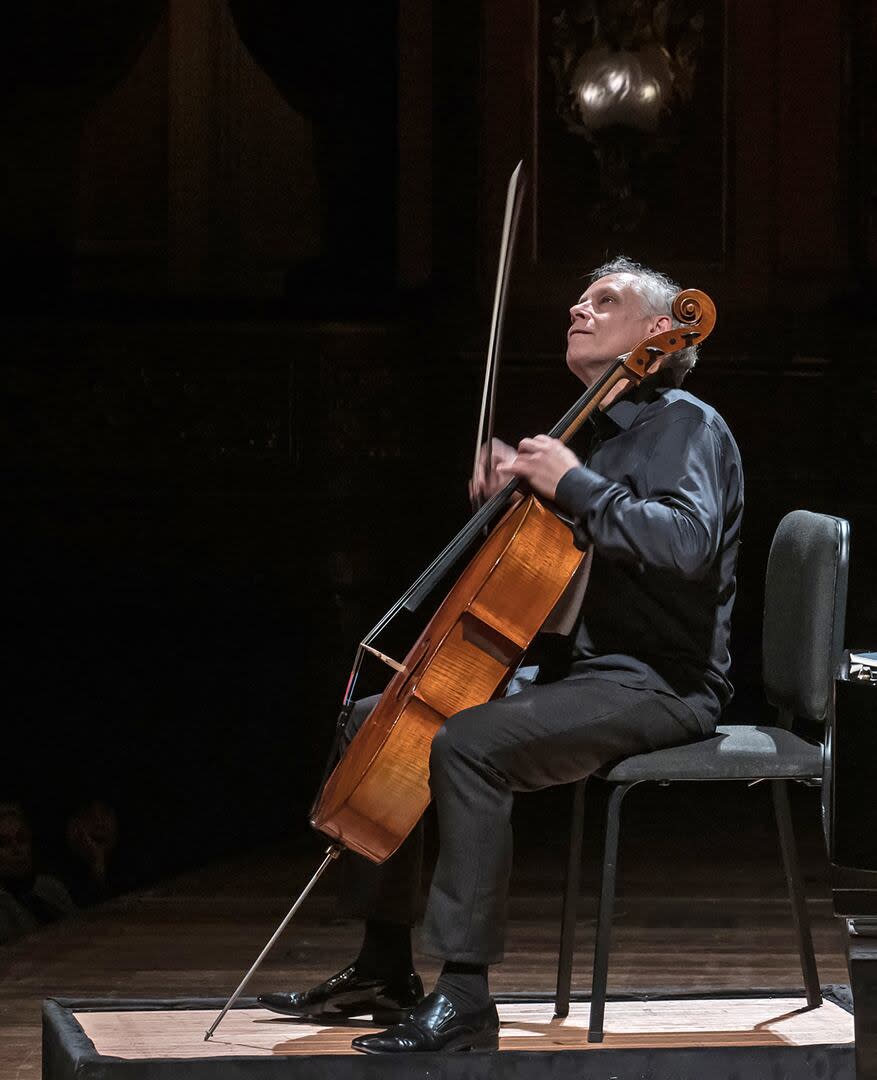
{"x": 465, "y": 985}
{"x": 386, "y": 949}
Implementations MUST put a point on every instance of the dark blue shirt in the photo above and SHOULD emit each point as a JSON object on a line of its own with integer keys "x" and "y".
{"x": 661, "y": 500}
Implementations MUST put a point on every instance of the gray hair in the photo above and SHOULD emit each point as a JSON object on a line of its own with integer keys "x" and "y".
{"x": 657, "y": 291}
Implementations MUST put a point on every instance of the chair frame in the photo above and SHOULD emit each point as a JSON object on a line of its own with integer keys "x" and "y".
{"x": 606, "y": 903}
{"x": 788, "y": 847}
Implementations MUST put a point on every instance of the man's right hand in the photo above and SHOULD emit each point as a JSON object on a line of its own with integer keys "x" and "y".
{"x": 486, "y": 483}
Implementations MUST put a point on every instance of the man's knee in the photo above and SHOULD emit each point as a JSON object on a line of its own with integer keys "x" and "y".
{"x": 457, "y": 740}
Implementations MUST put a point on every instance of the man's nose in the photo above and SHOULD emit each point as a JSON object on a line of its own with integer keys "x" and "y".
{"x": 578, "y": 311}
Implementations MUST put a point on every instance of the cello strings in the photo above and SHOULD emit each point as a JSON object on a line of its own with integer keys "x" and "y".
{"x": 568, "y": 424}
{"x": 480, "y": 518}
{"x": 427, "y": 580}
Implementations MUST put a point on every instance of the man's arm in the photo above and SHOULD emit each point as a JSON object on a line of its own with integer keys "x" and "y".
{"x": 676, "y": 526}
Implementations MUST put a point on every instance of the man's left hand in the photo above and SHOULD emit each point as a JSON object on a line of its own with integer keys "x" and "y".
{"x": 541, "y": 461}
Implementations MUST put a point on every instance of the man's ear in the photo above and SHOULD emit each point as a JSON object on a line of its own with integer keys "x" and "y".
{"x": 660, "y": 324}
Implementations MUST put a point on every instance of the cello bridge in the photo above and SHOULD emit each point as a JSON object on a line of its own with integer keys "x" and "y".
{"x": 388, "y": 660}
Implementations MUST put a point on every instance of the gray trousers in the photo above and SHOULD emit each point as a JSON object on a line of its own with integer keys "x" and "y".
{"x": 547, "y": 734}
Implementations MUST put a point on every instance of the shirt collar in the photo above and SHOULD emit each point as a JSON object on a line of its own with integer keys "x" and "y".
{"x": 624, "y": 411}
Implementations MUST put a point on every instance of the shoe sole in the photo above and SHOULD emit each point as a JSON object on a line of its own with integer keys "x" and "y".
{"x": 483, "y": 1045}
{"x": 385, "y": 1017}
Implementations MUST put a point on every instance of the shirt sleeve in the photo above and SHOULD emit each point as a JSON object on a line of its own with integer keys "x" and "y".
{"x": 673, "y": 522}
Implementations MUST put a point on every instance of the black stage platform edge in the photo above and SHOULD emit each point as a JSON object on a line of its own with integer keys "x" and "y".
{"x": 68, "y": 1054}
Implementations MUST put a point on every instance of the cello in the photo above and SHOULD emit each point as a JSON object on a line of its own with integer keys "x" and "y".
{"x": 474, "y": 642}
{"x": 476, "y": 639}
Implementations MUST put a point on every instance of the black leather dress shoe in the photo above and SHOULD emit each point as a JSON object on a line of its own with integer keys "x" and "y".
{"x": 351, "y": 994}
{"x": 435, "y": 1025}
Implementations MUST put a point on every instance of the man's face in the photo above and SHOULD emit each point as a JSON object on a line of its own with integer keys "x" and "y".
{"x": 607, "y": 321}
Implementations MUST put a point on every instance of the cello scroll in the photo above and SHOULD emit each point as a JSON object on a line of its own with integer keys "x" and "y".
{"x": 697, "y": 313}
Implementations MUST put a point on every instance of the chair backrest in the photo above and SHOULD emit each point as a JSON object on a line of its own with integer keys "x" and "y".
{"x": 805, "y": 599}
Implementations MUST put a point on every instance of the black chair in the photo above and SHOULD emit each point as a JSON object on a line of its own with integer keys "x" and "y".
{"x": 804, "y": 608}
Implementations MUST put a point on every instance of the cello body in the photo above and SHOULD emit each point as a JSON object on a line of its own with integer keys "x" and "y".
{"x": 464, "y": 657}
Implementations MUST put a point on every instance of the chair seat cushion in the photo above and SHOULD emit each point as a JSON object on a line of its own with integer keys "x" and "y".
{"x": 735, "y": 752}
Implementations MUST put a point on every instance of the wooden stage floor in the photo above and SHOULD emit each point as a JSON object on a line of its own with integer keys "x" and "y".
{"x": 525, "y": 1026}
{"x": 696, "y": 914}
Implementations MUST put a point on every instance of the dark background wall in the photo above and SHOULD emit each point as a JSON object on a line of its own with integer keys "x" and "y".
{"x": 248, "y": 250}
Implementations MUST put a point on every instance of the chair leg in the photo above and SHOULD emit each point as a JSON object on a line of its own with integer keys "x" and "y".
{"x": 779, "y": 789}
{"x": 604, "y": 913}
{"x": 570, "y": 902}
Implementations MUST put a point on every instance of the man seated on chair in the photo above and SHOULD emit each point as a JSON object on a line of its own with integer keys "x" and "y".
{"x": 660, "y": 500}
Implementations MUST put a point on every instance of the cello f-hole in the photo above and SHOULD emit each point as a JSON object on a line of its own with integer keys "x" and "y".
{"x": 412, "y": 668}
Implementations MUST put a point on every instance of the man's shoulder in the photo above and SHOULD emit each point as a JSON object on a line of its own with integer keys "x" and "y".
{"x": 677, "y": 404}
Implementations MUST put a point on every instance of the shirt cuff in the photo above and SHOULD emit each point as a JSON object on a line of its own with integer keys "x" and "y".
{"x": 577, "y": 490}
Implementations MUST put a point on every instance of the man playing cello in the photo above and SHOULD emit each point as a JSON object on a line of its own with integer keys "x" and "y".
{"x": 659, "y": 500}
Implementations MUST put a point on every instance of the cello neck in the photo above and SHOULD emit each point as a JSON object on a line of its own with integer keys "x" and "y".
{"x": 575, "y": 416}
